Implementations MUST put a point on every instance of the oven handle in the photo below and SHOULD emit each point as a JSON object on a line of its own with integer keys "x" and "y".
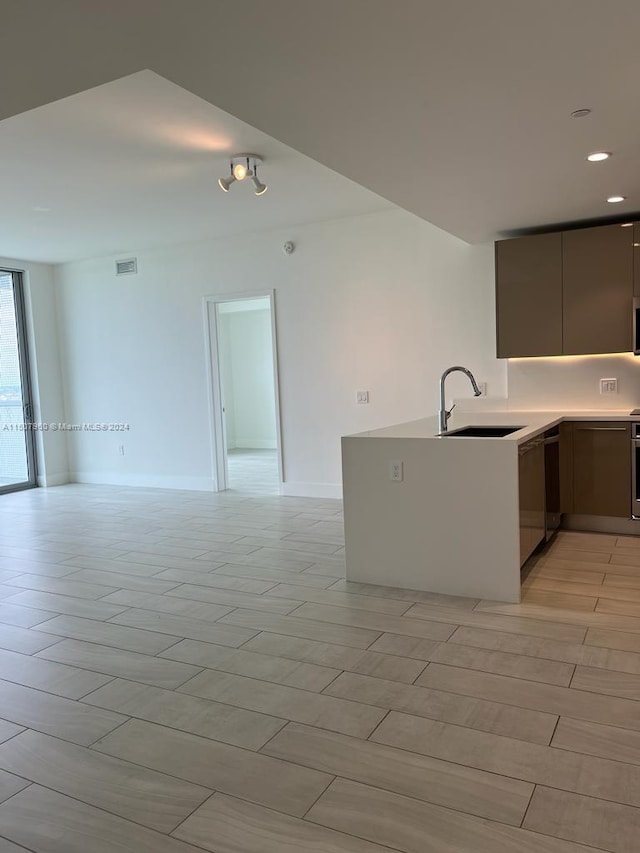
{"x": 602, "y": 429}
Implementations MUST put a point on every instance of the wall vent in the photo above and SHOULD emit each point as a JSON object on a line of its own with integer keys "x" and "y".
{"x": 127, "y": 267}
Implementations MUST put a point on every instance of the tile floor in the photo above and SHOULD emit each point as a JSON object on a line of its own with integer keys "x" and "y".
{"x": 183, "y": 672}
{"x": 254, "y": 470}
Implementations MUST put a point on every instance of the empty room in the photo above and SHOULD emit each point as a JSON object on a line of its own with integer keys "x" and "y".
{"x": 319, "y": 427}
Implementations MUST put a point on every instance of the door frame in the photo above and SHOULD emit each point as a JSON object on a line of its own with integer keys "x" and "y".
{"x": 210, "y": 305}
{"x": 26, "y": 384}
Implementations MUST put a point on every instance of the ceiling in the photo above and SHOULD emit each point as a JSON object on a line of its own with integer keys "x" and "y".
{"x": 457, "y": 110}
{"x": 134, "y": 164}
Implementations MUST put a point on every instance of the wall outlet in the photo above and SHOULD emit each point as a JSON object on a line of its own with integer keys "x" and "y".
{"x": 396, "y": 471}
{"x": 362, "y": 396}
{"x": 608, "y": 386}
{"x": 121, "y": 449}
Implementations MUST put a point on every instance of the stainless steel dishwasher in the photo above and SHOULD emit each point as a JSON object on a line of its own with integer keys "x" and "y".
{"x": 635, "y": 469}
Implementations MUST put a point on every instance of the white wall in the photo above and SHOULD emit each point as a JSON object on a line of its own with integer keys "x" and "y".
{"x": 44, "y": 358}
{"x": 226, "y": 378}
{"x": 247, "y": 366}
{"x": 382, "y": 303}
{"x": 573, "y": 382}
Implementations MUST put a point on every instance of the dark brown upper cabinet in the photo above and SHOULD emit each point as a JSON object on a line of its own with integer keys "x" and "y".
{"x": 529, "y": 295}
{"x": 597, "y": 289}
{"x": 567, "y": 293}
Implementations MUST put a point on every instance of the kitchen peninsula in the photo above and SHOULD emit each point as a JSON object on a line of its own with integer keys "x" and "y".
{"x": 444, "y": 513}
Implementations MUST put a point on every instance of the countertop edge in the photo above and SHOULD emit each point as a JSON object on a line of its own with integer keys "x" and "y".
{"x": 536, "y": 423}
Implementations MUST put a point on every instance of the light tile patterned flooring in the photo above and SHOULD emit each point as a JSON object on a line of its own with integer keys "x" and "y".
{"x": 183, "y": 672}
{"x": 253, "y": 470}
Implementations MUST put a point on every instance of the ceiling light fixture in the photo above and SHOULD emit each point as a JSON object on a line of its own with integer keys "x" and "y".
{"x": 225, "y": 183}
{"x": 259, "y": 186}
{"x": 598, "y": 156}
{"x": 244, "y": 166}
{"x": 240, "y": 171}
{"x": 616, "y": 199}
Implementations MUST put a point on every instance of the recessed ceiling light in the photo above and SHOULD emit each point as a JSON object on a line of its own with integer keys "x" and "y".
{"x": 580, "y": 113}
{"x": 616, "y": 199}
{"x": 598, "y": 156}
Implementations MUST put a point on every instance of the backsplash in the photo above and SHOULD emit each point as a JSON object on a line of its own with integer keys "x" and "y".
{"x": 573, "y": 382}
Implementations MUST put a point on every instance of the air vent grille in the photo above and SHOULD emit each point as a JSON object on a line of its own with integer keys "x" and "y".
{"x": 128, "y": 266}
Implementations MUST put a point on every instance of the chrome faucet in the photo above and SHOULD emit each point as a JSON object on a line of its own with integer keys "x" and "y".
{"x": 443, "y": 414}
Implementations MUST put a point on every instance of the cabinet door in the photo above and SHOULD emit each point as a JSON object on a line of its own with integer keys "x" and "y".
{"x": 529, "y": 296}
{"x": 602, "y": 469}
{"x": 597, "y": 287}
{"x": 566, "y": 467}
{"x": 532, "y": 498}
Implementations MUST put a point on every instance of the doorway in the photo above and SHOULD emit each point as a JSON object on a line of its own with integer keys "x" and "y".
{"x": 17, "y": 449}
{"x": 240, "y": 332}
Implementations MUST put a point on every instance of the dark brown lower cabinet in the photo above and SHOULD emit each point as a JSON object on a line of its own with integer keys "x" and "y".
{"x": 532, "y": 496}
{"x": 566, "y": 468}
{"x": 602, "y": 468}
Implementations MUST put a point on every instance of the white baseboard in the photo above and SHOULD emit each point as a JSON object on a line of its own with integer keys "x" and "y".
{"x": 47, "y": 480}
{"x": 255, "y": 444}
{"x": 196, "y": 484}
{"x": 312, "y": 490}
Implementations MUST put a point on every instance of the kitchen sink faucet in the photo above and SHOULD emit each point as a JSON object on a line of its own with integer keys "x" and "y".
{"x": 443, "y": 414}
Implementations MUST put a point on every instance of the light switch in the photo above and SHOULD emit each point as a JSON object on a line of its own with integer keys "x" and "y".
{"x": 362, "y": 396}
{"x": 608, "y": 386}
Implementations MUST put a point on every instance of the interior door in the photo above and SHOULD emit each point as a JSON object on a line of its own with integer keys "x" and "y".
{"x": 17, "y": 456}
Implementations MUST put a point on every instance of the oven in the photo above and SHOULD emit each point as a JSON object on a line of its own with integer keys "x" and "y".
{"x": 635, "y": 470}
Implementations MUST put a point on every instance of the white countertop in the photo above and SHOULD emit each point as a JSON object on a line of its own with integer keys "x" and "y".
{"x": 532, "y": 423}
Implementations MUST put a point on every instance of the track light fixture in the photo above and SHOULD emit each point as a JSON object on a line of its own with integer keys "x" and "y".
{"x": 259, "y": 186}
{"x": 243, "y": 166}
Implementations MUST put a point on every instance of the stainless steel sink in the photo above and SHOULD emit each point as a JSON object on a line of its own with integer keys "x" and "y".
{"x": 481, "y": 432}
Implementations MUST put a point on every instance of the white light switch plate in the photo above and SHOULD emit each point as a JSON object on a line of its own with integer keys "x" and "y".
{"x": 362, "y": 396}
{"x": 608, "y": 386}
